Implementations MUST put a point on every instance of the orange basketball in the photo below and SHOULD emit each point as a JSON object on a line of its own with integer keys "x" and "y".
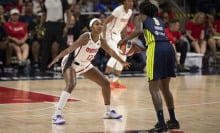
{"x": 127, "y": 48}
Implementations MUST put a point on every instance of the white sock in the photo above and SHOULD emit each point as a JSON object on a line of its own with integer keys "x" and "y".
{"x": 62, "y": 101}
{"x": 107, "y": 108}
{"x": 115, "y": 78}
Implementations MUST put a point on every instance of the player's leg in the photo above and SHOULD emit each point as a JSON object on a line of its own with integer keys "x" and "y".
{"x": 114, "y": 64}
{"x": 154, "y": 73}
{"x": 112, "y": 61}
{"x": 95, "y": 75}
{"x": 110, "y": 65}
{"x": 118, "y": 69}
{"x": 165, "y": 88}
{"x": 70, "y": 80}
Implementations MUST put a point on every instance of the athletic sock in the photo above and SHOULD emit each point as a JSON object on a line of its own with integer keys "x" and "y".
{"x": 107, "y": 108}
{"x": 172, "y": 114}
{"x": 62, "y": 101}
{"x": 160, "y": 117}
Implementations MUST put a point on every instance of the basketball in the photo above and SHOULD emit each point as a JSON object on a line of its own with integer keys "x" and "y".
{"x": 127, "y": 48}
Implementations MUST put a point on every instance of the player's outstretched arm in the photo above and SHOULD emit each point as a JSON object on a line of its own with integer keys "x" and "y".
{"x": 83, "y": 39}
{"x": 112, "y": 53}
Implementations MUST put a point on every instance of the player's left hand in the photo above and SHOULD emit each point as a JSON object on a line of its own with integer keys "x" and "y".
{"x": 126, "y": 65}
{"x": 53, "y": 62}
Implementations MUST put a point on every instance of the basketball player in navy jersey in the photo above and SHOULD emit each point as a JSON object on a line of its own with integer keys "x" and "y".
{"x": 85, "y": 49}
{"x": 160, "y": 63}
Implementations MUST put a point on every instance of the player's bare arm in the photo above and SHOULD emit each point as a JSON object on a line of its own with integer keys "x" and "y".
{"x": 83, "y": 39}
{"x": 108, "y": 20}
{"x": 138, "y": 30}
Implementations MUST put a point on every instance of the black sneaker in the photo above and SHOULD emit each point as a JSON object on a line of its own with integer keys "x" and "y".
{"x": 158, "y": 128}
{"x": 173, "y": 124}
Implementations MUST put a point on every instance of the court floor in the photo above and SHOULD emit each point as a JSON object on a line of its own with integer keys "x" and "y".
{"x": 26, "y": 106}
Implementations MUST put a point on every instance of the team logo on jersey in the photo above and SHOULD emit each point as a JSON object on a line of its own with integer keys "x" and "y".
{"x": 91, "y": 50}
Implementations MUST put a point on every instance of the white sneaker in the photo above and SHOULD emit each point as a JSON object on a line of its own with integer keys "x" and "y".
{"x": 58, "y": 119}
{"x": 112, "y": 115}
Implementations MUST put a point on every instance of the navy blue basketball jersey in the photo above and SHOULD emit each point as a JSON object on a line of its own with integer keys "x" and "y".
{"x": 160, "y": 53}
{"x": 154, "y": 30}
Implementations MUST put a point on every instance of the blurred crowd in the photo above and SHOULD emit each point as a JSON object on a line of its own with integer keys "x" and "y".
{"x": 20, "y": 36}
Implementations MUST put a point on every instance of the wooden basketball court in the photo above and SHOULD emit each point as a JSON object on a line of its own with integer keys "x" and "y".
{"x": 27, "y": 106}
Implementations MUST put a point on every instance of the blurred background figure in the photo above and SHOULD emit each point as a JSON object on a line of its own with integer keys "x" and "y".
{"x": 87, "y": 5}
{"x": 177, "y": 40}
{"x": 195, "y": 32}
{"x": 106, "y": 5}
{"x": 18, "y": 34}
{"x": 2, "y": 14}
{"x": 5, "y": 47}
{"x": 214, "y": 34}
{"x": 55, "y": 28}
{"x": 31, "y": 20}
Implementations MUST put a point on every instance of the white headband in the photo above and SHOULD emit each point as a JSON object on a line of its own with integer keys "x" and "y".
{"x": 92, "y": 21}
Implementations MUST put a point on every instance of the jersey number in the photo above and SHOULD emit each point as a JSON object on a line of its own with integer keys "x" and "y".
{"x": 156, "y": 21}
{"x": 90, "y": 57}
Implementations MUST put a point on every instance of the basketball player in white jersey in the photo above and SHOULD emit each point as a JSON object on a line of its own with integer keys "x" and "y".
{"x": 113, "y": 29}
{"x": 85, "y": 49}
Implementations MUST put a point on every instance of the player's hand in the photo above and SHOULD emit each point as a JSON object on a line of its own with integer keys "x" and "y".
{"x": 126, "y": 65}
{"x": 53, "y": 62}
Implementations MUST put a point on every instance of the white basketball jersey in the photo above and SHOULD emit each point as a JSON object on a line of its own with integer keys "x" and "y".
{"x": 120, "y": 21}
{"x": 85, "y": 54}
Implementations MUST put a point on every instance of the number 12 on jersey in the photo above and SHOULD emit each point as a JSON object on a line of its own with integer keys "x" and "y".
{"x": 90, "y": 57}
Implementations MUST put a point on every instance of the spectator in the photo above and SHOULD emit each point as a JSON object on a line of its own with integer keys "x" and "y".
{"x": 31, "y": 20}
{"x": 2, "y": 15}
{"x": 165, "y": 17}
{"x": 5, "y": 46}
{"x": 106, "y": 5}
{"x": 166, "y": 7}
{"x": 15, "y": 4}
{"x": 81, "y": 22}
{"x": 177, "y": 40}
{"x": 17, "y": 34}
{"x": 87, "y": 5}
{"x": 195, "y": 32}
{"x": 55, "y": 28}
{"x": 214, "y": 32}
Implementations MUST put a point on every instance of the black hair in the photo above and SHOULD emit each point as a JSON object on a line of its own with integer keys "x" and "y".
{"x": 142, "y": 6}
{"x": 150, "y": 10}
